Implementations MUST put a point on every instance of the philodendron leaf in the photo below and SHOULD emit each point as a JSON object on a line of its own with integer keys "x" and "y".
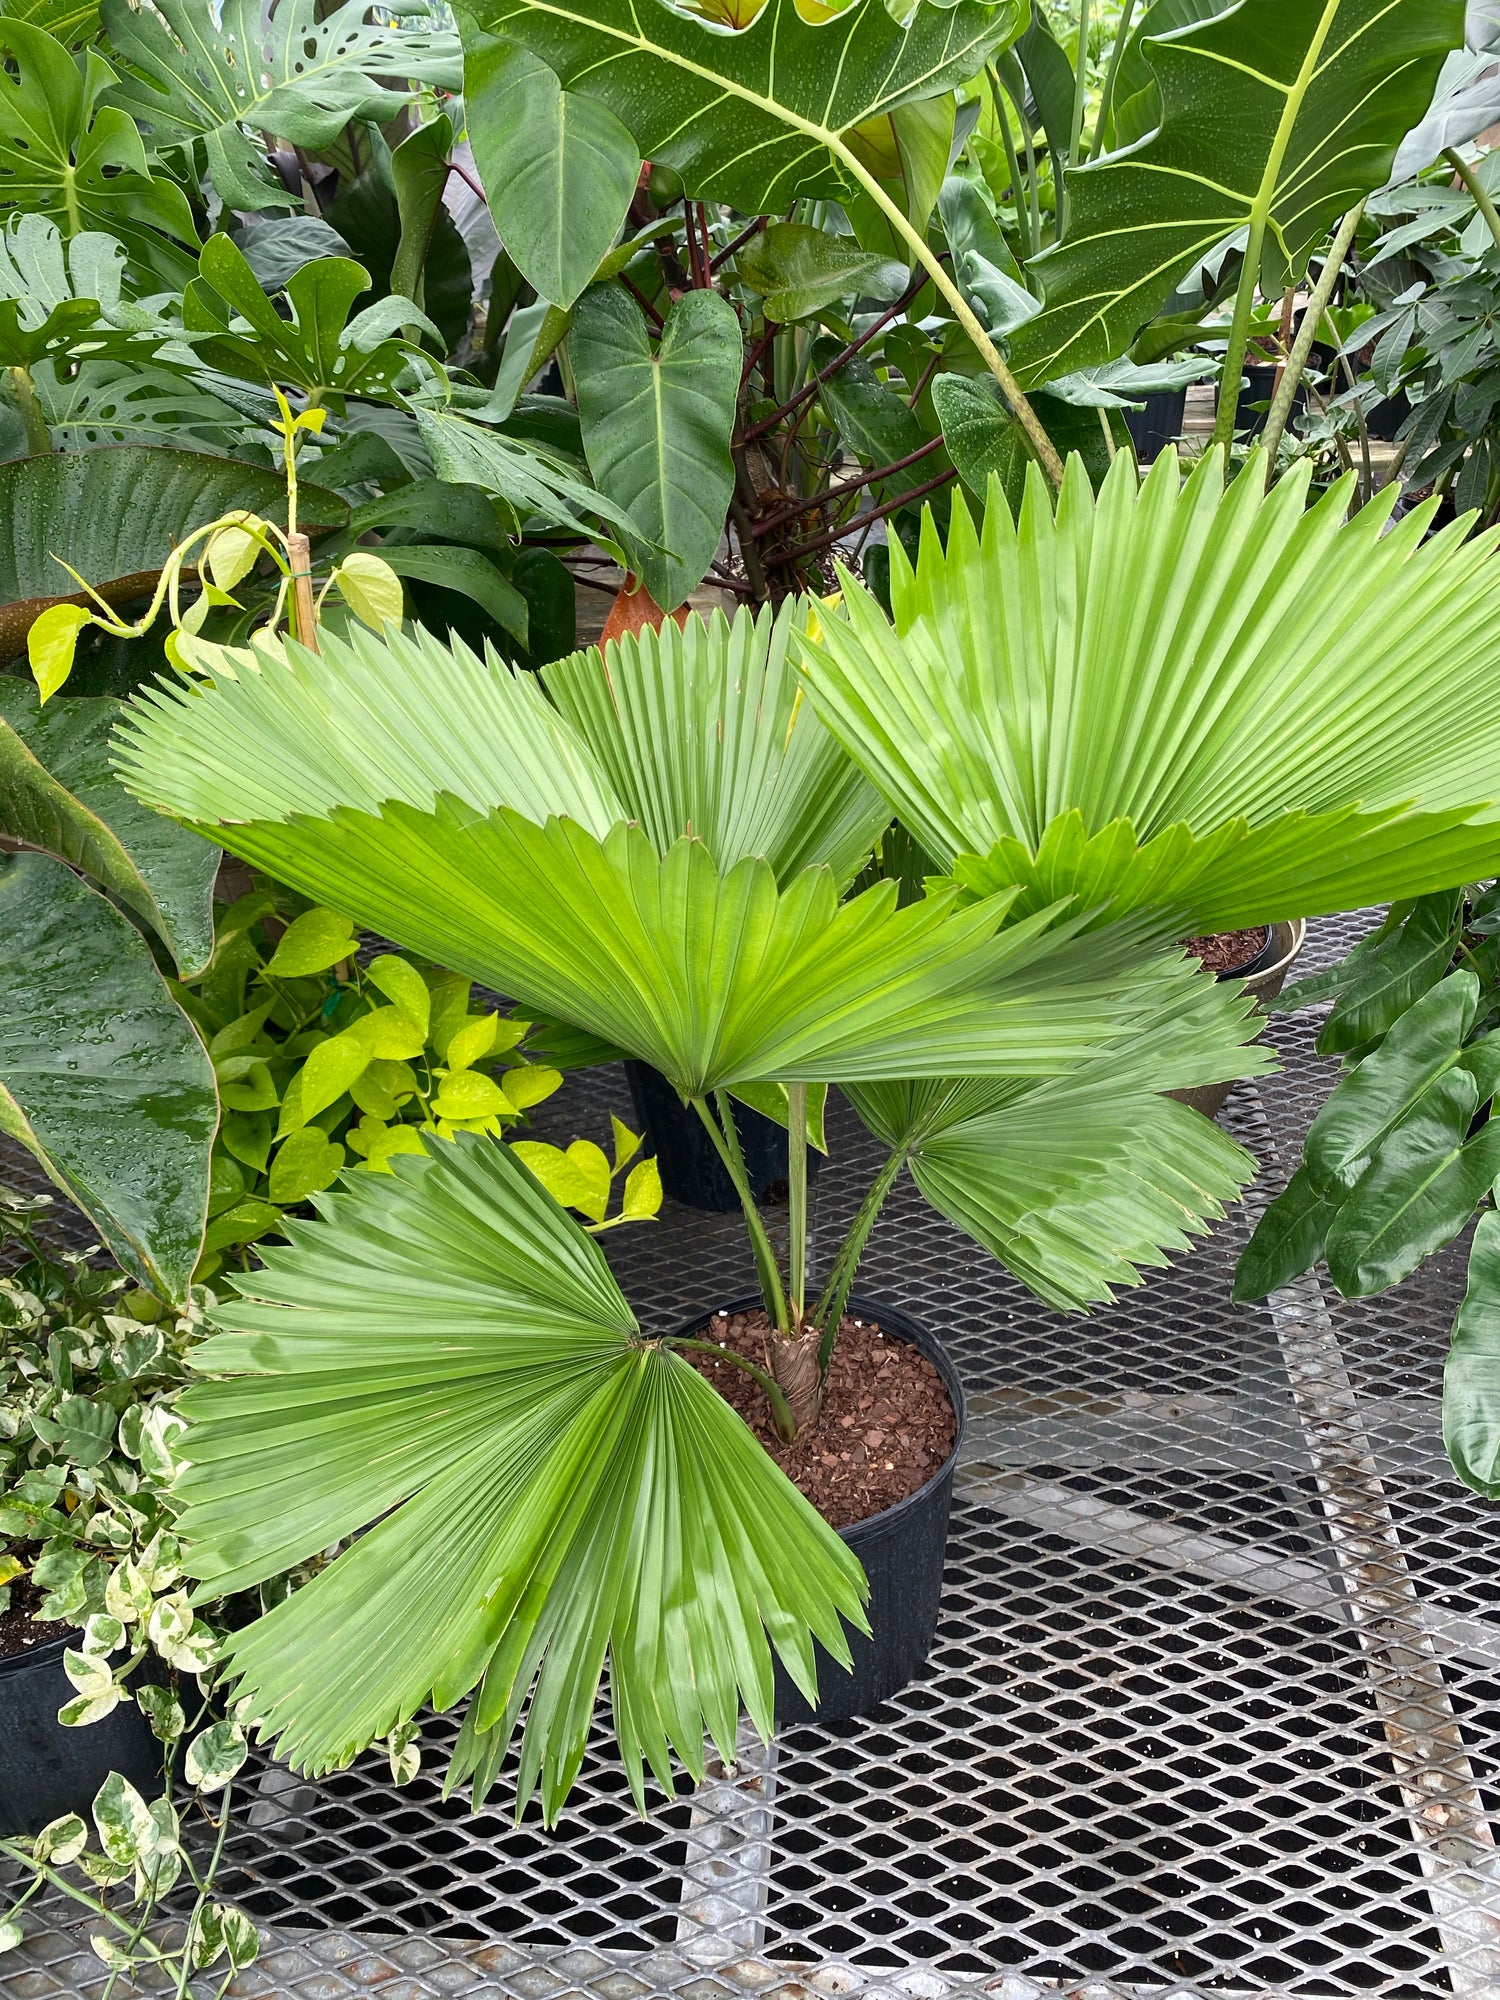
{"x": 1275, "y": 114}
{"x": 1288, "y": 1239}
{"x": 559, "y": 169}
{"x": 200, "y": 75}
{"x": 65, "y": 155}
{"x": 1471, "y": 1380}
{"x": 114, "y": 515}
{"x": 657, "y": 424}
{"x": 758, "y": 117}
{"x": 102, "y": 1076}
{"x": 544, "y": 1492}
{"x": 797, "y": 270}
{"x": 57, "y": 792}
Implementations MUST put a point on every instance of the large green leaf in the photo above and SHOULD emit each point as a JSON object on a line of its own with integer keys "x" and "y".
{"x": 445, "y": 1361}
{"x": 656, "y": 426}
{"x": 798, "y": 270}
{"x": 558, "y": 167}
{"x": 320, "y": 348}
{"x": 1471, "y": 1380}
{"x": 57, "y": 792}
{"x": 72, "y": 21}
{"x": 199, "y": 75}
{"x": 101, "y": 1074}
{"x": 1276, "y": 115}
{"x": 60, "y": 296}
{"x": 115, "y": 516}
{"x": 531, "y": 477}
{"x": 81, "y": 163}
{"x": 1076, "y": 1182}
{"x": 433, "y": 822}
{"x": 754, "y": 118}
{"x": 1223, "y": 706}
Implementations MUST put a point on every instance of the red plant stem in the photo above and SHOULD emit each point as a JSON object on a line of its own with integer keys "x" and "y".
{"x": 927, "y": 374}
{"x": 839, "y": 361}
{"x": 768, "y": 526}
{"x": 739, "y": 242}
{"x": 641, "y": 300}
{"x": 875, "y": 514}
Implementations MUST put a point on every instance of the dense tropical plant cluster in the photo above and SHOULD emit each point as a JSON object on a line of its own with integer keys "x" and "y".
{"x": 340, "y": 349}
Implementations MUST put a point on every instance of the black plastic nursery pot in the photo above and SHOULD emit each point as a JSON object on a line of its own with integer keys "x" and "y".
{"x": 47, "y": 1770}
{"x": 1264, "y": 978}
{"x": 902, "y": 1549}
{"x": 691, "y": 1171}
{"x": 1158, "y": 424}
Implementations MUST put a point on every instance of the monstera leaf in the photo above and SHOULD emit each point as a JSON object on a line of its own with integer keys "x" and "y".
{"x": 80, "y": 162}
{"x": 657, "y": 424}
{"x": 71, "y": 21}
{"x": 483, "y": 828}
{"x": 445, "y": 1360}
{"x": 102, "y": 1076}
{"x": 57, "y": 792}
{"x": 1276, "y": 116}
{"x": 1127, "y": 702}
{"x": 198, "y": 74}
{"x": 60, "y": 297}
{"x": 758, "y": 117}
{"x": 114, "y": 515}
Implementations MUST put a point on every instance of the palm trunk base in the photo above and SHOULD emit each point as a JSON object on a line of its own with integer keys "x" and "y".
{"x": 794, "y": 1364}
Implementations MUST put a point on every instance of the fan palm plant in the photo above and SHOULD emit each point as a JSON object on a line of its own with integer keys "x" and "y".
{"x": 1205, "y": 706}
{"x": 655, "y": 847}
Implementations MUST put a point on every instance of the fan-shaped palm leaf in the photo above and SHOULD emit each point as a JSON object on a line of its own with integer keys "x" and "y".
{"x": 445, "y": 1355}
{"x": 443, "y": 801}
{"x": 1218, "y": 704}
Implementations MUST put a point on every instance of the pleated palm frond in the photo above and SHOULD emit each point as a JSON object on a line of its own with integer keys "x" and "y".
{"x": 708, "y": 969}
{"x": 1077, "y": 1182}
{"x": 444, "y": 1360}
{"x": 1218, "y": 703}
{"x": 704, "y": 730}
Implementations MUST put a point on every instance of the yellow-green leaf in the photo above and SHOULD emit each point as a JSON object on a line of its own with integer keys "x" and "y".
{"x": 318, "y": 939}
{"x": 627, "y": 1143}
{"x": 642, "y": 1192}
{"x": 400, "y": 981}
{"x": 306, "y": 1163}
{"x": 51, "y": 643}
{"x": 232, "y": 551}
{"x": 330, "y": 1070}
{"x": 395, "y": 1139}
{"x": 371, "y": 589}
{"x": 468, "y": 1093}
{"x": 530, "y": 1084}
{"x": 474, "y": 1039}
{"x": 391, "y": 1034}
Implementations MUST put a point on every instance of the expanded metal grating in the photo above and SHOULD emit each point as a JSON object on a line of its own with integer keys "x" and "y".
{"x": 1215, "y": 1707}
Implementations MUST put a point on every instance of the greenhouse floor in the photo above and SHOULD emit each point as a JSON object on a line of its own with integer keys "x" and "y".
{"x": 1215, "y": 1707}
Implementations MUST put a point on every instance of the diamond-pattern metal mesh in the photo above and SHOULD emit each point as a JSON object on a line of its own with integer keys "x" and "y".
{"x": 1215, "y": 1707}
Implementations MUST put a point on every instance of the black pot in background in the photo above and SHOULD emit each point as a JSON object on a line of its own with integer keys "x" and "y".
{"x": 1386, "y": 418}
{"x": 47, "y": 1770}
{"x": 691, "y": 1170}
{"x": 1159, "y": 424}
{"x": 1260, "y": 386}
{"x": 902, "y": 1549}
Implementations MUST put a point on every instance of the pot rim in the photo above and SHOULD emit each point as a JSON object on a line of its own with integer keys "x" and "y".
{"x": 49, "y": 1653}
{"x": 1298, "y": 928}
{"x": 890, "y": 1316}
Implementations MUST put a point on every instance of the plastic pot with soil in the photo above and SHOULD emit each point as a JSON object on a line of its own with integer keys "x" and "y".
{"x": 46, "y": 1768}
{"x": 691, "y": 1171}
{"x": 1262, "y": 956}
{"x": 878, "y": 1464}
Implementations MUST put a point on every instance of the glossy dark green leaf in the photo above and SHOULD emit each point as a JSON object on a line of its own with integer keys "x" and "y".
{"x": 471, "y": 573}
{"x": 1398, "y": 971}
{"x": 985, "y": 441}
{"x": 58, "y": 792}
{"x": 102, "y": 1076}
{"x": 1471, "y": 1379}
{"x": 419, "y": 169}
{"x": 1049, "y": 75}
{"x": 797, "y": 271}
{"x": 657, "y": 424}
{"x": 753, "y": 118}
{"x": 1422, "y": 1187}
{"x": 1288, "y": 1239}
{"x": 1372, "y": 1100}
{"x": 1278, "y": 114}
{"x": 551, "y": 604}
{"x": 438, "y": 507}
{"x": 558, "y": 168}
{"x": 873, "y": 421}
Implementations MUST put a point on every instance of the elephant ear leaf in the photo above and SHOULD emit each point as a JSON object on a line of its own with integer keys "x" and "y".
{"x": 758, "y": 117}
{"x": 102, "y": 1075}
{"x": 586, "y": 1498}
{"x": 657, "y": 425}
{"x": 1275, "y": 115}
{"x": 57, "y": 792}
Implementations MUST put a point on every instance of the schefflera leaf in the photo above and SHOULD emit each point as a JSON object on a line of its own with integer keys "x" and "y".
{"x": 444, "y": 1359}
{"x": 1218, "y": 704}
